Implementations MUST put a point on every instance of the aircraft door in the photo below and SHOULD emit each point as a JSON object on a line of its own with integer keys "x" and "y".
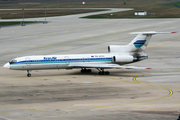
{"x": 66, "y": 60}
{"x": 88, "y": 59}
{"x": 28, "y": 63}
{"x": 83, "y": 59}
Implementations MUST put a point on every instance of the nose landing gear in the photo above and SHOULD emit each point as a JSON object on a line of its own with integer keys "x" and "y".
{"x": 28, "y": 75}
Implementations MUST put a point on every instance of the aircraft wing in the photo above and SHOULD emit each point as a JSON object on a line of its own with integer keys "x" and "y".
{"x": 104, "y": 66}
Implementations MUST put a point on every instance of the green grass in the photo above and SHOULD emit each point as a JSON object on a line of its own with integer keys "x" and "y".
{"x": 172, "y": 4}
{"x": 17, "y": 23}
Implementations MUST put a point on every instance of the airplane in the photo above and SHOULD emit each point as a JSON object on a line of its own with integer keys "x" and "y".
{"x": 115, "y": 59}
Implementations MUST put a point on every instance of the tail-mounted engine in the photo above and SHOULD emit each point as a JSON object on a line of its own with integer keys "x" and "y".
{"x": 117, "y": 49}
{"x": 123, "y": 59}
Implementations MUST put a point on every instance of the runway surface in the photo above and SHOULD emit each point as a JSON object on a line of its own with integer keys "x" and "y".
{"x": 68, "y": 94}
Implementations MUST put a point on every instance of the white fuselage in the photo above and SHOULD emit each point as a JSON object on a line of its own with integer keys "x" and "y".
{"x": 57, "y": 61}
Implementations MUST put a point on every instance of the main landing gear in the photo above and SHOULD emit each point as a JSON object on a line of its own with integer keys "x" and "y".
{"x": 102, "y": 72}
{"x": 29, "y": 75}
{"x": 84, "y": 70}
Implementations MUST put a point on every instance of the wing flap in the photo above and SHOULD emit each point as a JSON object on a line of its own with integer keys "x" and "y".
{"x": 104, "y": 66}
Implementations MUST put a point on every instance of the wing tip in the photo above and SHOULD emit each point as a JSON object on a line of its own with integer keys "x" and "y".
{"x": 173, "y": 32}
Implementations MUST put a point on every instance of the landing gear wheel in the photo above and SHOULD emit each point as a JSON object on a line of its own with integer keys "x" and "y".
{"x": 107, "y": 72}
{"x": 89, "y": 70}
{"x": 100, "y": 73}
{"x": 86, "y": 71}
{"x": 82, "y": 71}
{"x": 29, "y": 75}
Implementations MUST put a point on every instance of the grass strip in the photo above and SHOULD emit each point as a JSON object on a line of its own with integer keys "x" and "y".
{"x": 16, "y": 14}
{"x": 9, "y": 23}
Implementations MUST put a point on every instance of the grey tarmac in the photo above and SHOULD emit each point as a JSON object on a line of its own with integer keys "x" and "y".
{"x": 68, "y": 94}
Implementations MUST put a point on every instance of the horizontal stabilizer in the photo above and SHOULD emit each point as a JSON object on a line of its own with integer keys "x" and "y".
{"x": 150, "y": 33}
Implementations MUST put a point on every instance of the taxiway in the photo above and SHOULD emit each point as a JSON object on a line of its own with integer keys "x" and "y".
{"x": 68, "y": 94}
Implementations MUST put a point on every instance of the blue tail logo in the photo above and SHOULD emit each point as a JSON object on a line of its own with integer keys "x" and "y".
{"x": 139, "y": 43}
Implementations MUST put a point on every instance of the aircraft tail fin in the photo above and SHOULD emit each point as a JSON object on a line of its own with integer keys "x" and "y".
{"x": 137, "y": 46}
{"x": 140, "y": 42}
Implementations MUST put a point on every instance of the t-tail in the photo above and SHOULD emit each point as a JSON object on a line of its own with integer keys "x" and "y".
{"x": 136, "y": 47}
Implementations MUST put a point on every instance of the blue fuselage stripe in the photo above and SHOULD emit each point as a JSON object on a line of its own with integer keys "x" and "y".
{"x": 73, "y": 60}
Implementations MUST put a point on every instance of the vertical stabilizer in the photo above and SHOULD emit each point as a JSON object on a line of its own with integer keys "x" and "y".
{"x": 140, "y": 42}
{"x": 137, "y": 46}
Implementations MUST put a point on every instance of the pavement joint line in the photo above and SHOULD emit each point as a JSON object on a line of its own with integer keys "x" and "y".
{"x": 50, "y": 46}
{"x": 173, "y": 88}
{"x": 160, "y": 44}
{"x": 5, "y": 118}
{"x": 74, "y": 42}
{"x": 57, "y": 45}
{"x": 117, "y": 79}
{"x": 158, "y": 103}
{"x": 12, "y": 73}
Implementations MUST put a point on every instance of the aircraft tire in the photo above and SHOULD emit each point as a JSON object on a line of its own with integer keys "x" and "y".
{"x": 107, "y": 72}
{"x": 29, "y": 75}
{"x": 100, "y": 73}
{"x": 104, "y": 73}
{"x": 89, "y": 71}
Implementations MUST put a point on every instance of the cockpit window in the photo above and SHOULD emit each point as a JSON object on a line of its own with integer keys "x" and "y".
{"x": 12, "y": 61}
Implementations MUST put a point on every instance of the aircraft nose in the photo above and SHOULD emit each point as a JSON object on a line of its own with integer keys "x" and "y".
{"x": 7, "y": 65}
